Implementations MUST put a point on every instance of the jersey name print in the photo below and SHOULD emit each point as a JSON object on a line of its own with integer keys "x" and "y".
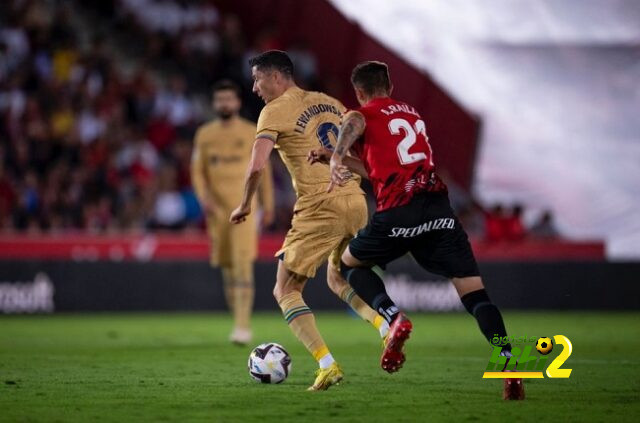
{"x": 396, "y": 153}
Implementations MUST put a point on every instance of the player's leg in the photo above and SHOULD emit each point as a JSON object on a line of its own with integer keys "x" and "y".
{"x": 373, "y": 246}
{"x": 242, "y": 301}
{"x": 300, "y": 318}
{"x": 220, "y": 233}
{"x": 243, "y": 293}
{"x": 477, "y": 302}
{"x": 315, "y": 232}
{"x": 369, "y": 285}
{"x": 219, "y": 255}
{"x": 448, "y": 252}
{"x": 242, "y": 252}
{"x": 350, "y": 215}
{"x": 228, "y": 285}
{"x": 346, "y": 293}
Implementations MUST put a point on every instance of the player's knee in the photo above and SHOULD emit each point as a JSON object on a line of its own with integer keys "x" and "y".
{"x": 243, "y": 273}
{"x": 467, "y": 284}
{"x": 348, "y": 262}
{"x": 335, "y": 280}
{"x": 291, "y": 284}
{"x": 280, "y": 291}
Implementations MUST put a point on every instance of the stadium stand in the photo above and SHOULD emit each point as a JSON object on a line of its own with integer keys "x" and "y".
{"x": 96, "y": 130}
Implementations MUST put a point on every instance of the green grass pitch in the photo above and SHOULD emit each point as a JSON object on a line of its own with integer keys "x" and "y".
{"x": 180, "y": 367}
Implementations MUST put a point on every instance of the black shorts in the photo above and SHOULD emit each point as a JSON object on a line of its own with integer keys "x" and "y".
{"x": 427, "y": 228}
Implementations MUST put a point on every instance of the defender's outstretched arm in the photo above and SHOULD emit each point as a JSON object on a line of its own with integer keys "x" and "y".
{"x": 352, "y": 128}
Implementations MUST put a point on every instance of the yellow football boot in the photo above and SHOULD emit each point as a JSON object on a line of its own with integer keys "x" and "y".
{"x": 332, "y": 375}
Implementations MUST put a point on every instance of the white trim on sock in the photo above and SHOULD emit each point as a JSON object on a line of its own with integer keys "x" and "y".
{"x": 383, "y": 329}
{"x": 326, "y": 361}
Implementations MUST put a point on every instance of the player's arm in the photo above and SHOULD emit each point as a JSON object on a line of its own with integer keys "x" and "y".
{"x": 323, "y": 155}
{"x": 355, "y": 165}
{"x": 199, "y": 178}
{"x": 265, "y": 195}
{"x": 352, "y": 128}
{"x": 259, "y": 159}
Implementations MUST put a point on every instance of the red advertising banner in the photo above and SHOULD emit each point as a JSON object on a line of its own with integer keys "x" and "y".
{"x": 146, "y": 247}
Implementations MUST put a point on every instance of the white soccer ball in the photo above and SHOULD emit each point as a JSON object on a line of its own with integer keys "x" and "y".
{"x": 269, "y": 363}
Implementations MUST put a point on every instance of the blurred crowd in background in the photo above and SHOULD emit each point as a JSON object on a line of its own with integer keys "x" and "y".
{"x": 96, "y": 130}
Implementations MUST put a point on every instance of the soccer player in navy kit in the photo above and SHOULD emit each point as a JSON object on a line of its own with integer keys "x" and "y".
{"x": 389, "y": 145}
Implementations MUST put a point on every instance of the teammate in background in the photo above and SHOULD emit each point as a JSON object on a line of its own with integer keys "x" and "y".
{"x": 294, "y": 122}
{"x": 413, "y": 214}
{"x": 221, "y": 153}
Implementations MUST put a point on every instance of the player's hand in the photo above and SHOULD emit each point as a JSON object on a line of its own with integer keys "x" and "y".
{"x": 339, "y": 172}
{"x": 240, "y": 214}
{"x": 268, "y": 216}
{"x": 320, "y": 155}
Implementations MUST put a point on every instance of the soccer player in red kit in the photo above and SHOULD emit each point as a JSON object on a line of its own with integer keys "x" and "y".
{"x": 389, "y": 145}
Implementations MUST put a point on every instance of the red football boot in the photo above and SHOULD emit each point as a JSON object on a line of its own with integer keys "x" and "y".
{"x": 392, "y": 355}
{"x": 513, "y": 389}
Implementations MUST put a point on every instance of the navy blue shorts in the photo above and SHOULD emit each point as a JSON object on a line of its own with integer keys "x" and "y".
{"x": 427, "y": 228}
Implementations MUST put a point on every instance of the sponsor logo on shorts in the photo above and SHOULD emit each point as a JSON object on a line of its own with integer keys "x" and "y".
{"x": 432, "y": 225}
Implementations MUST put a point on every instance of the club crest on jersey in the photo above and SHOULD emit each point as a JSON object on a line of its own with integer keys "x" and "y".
{"x": 432, "y": 225}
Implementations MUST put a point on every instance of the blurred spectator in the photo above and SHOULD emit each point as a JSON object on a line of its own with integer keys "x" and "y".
{"x": 305, "y": 65}
{"x": 137, "y": 158}
{"x": 494, "y": 224}
{"x": 470, "y": 213}
{"x": 544, "y": 227}
{"x": 513, "y": 227}
{"x": 174, "y": 105}
{"x": 458, "y": 197}
{"x": 140, "y": 98}
{"x": 170, "y": 210}
{"x": 95, "y": 130}
{"x": 14, "y": 38}
{"x": 504, "y": 226}
{"x": 267, "y": 39}
{"x": 89, "y": 126}
{"x": 473, "y": 220}
{"x": 26, "y": 213}
{"x": 98, "y": 215}
{"x": 7, "y": 198}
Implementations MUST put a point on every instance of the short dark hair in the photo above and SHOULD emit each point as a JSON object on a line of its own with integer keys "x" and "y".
{"x": 372, "y": 77}
{"x": 226, "y": 84}
{"x": 273, "y": 60}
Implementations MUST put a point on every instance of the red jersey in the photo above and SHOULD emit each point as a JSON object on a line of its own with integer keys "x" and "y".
{"x": 396, "y": 153}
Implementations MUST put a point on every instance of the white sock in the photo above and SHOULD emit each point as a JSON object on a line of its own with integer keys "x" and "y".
{"x": 383, "y": 329}
{"x": 326, "y": 361}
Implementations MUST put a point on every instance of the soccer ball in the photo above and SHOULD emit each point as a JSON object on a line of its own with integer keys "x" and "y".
{"x": 269, "y": 363}
{"x": 544, "y": 345}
